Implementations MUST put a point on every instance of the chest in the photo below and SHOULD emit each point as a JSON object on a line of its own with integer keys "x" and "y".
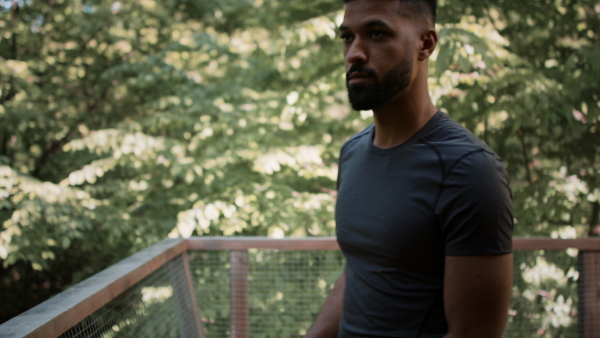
{"x": 384, "y": 208}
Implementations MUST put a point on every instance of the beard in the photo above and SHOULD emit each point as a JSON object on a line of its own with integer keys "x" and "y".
{"x": 365, "y": 97}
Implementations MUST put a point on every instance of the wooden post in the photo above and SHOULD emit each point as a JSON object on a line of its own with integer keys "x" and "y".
{"x": 185, "y": 298}
{"x": 589, "y": 294}
{"x": 239, "y": 311}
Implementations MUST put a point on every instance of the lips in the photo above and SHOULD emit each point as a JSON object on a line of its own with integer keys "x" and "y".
{"x": 358, "y": 78}
{"x": 358, "y": 75}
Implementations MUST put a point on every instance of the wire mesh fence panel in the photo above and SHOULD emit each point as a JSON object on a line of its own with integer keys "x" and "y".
{"x": 150, "y": 308}
{"x": 589, "y": 294}
{"x": 285, "y": 290}
{"x": 278, "y": 293}
{"x": 210, "y": 278}
{"x": 288, "y": 298}
{"x": 548, "y": 295}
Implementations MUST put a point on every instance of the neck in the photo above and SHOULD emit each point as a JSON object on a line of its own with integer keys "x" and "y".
{"x": 403, "y": 116}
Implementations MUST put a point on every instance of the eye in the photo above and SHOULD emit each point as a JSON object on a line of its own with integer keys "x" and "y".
{"x": 346, "y": 38}
{"x": 376, "y": 34}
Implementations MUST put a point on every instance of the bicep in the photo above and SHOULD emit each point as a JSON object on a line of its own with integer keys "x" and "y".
{"x": 475, "y": 208}
{"x": 477, "y": 294}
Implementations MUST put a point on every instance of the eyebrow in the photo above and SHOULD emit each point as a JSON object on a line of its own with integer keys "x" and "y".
{"x": 372, "y": 23}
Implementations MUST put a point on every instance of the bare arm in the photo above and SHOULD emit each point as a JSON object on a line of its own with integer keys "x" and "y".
{"x": 477, "y": 294}
{"x": 326, "y": 324}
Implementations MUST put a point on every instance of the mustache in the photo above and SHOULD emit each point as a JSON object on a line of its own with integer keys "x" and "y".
{"x": 361, "y": 69}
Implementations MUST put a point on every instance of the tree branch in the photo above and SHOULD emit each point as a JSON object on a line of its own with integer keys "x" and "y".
{"x": 4, "y": 143}
{"x": 15, "y": 11}
{"x": 53, "y": 148}
{"x": 595, "y": 219}
{"x": 521, "y": 134}
{"x": 9, "y": 93}
{"x": 56, "y": 146}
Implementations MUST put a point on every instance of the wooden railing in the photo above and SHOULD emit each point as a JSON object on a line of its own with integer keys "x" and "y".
{"x": 57, "y": 315}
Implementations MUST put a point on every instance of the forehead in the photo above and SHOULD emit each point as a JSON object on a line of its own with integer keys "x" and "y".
{"x": 359, "y": 12}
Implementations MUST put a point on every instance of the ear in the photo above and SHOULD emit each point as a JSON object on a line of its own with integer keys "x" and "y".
{"x": 429, "y": 40}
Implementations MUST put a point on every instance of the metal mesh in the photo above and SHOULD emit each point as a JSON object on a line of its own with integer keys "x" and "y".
{"x": 548, "y": 298}
{"x": 285, "y": 290}
{"x": 271, "y": 293}
{"x": 154, "y": 307}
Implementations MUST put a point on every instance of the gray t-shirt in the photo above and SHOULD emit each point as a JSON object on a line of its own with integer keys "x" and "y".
{"x": 401, "y": 210}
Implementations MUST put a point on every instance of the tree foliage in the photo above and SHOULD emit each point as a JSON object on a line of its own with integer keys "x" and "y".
{"x": 123, "y": 122}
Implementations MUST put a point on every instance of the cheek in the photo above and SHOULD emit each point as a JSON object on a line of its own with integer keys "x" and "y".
{"x": 346, "y": 63}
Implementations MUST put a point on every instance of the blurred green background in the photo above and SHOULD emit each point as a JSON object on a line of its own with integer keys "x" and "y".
{"x": 125, "y": 122}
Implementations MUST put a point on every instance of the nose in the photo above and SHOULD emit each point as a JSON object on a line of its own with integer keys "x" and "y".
{"x": 356, "y": 52}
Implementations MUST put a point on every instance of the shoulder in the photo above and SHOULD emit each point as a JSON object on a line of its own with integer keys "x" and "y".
{"x": 363, "y": 136}
{"x": 458, "y": 147}
{"x": 474, "y": 206}
{"x": 480, "y": 168}
{"x": 474, "y": 202}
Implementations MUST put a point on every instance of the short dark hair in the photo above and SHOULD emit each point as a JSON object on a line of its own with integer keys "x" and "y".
{"x": 428, "y": 6}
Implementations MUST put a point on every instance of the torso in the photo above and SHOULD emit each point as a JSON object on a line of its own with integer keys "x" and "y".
{"x": 389, "y": 228}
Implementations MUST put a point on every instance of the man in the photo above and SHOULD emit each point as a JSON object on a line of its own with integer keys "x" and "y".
{"x": 423, "y": 212}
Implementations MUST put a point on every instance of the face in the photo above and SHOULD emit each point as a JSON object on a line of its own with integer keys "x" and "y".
{"x": 379, "y": 52}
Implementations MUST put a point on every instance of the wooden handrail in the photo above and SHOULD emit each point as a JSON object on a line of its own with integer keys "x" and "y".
{"x": 245, "y": 243}
{"x": 330, "y": 243}
{"x": 544, "y": 243}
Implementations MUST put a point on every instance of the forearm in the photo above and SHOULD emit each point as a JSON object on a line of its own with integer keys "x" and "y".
{"x": 326, "y": 324}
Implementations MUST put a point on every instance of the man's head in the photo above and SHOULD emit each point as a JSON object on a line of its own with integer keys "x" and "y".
{"x": 425, "y": 8}
{"x": 386, "y": 46}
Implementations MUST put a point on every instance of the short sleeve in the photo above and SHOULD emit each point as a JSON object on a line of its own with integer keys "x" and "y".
{"x": 474, "y": 207}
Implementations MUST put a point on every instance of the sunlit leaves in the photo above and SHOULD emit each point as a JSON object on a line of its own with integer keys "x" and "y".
{"x": 123, "y": 122}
